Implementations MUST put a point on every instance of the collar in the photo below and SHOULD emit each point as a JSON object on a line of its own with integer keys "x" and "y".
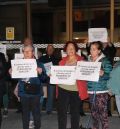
{"x": 98, "y": 59}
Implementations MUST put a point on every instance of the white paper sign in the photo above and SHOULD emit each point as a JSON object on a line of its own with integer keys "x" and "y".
{"x": 24, "y": 68}
{"x": 3, "y": 49}
{"x": 97, "y": 34}
{"x": 63, "y": 75}
{"x": 48, "y": 67}
{"x": 19, "y": 56}
{"x": 64, "y": 54}
{"x": 88, "y": 71}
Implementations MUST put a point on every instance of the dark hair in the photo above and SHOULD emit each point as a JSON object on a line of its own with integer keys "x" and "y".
{"x": 71, "y": 42}
{"x": 98, "y": 44}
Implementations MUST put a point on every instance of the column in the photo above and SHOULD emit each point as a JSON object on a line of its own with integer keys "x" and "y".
{"x": 29, "y": 30}
{"x": 112, "y": 20}
{"x": 69, "y": 20}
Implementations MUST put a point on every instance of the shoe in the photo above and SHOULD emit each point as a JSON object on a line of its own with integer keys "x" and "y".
{"x": 5, "y": 113}
{"x": 31, "y": 124}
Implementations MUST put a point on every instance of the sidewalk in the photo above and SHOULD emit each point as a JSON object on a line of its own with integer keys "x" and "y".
{"x": 13, "y": 121}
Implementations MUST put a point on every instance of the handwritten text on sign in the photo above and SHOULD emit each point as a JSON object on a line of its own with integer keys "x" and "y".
{"x": 88, "y": 71}
{"x": 24, "y": 68}
{"x": 62, "y": 75}
{"x": 97, "y": 34}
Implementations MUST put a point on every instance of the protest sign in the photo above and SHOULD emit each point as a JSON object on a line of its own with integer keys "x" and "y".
{"x": 63, "y": 75}
{"x": 24, "y": 68}
{"x": 88, "y": 71}
{"x": 3, "y": 49}
{"x": 97, "y": 34}
{"x": 48, "y": 67}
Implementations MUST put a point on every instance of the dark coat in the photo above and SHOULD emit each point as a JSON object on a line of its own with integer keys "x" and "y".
{"x": 3, "y": 74}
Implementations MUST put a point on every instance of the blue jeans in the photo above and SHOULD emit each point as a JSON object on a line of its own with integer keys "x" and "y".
{"x": 50, "y": 91}
{"x": 31, "y": 104}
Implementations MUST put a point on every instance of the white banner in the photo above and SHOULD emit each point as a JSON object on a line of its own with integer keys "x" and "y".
{"x": 88, "y": 71}
{"x": 63, "y": 75}
{"x": 97, "y": 34}
{"x": 48, "y": 67}
{"x": 24, "y": 68}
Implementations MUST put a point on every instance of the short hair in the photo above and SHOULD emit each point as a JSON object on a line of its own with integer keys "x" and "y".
{"x": 71, "y": 42}
{"x": 28, "y": 46}
{"x": 99, "y": 45}
{"x": 49, "y": 45}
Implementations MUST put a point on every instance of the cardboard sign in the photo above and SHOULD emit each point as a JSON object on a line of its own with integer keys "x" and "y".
{"x": 24, "y": 68}
{"x": 97, "y": 34}
{"x": 88, "y": 71}
{"x": 63, "y": 75}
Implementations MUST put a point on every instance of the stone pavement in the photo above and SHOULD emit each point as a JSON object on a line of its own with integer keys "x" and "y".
{"x": 13, "y": 121}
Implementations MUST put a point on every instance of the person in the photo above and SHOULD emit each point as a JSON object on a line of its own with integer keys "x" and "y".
{"x": 30, "y": 99}
{"x": 3, "y": 74}
{"x": 70, "y": 94}
{"x": 114, "y": 82}
{"x": 49, "y": 57}
{"x": 98, "y": 91}
{"x": 109, "y": 51}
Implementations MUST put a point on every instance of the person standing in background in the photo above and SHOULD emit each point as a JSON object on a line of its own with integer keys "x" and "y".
{"x": 49, "y": 57}
{"x": 3, "y": 74}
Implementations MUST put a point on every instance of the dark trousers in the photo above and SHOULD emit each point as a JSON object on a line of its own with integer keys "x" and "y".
{"x": 66, "y": 98}
{"x": 0, "y": 118}
{"x": 31, "y": 104}
{"x": 1, "y": 100}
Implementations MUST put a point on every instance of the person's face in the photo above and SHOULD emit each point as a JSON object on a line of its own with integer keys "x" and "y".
{"x": 28, "y": 53}
{"x": 50, "y": 50}
{"x": 70, "y": 50}
{"x": 27, "y": 41}
{"x": 94, "y": 51}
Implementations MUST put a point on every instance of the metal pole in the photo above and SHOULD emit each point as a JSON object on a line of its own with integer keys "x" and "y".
{"x": 112, "y": 20}
{"x": 69, "y": 20}
{"x": 29, "y": 30}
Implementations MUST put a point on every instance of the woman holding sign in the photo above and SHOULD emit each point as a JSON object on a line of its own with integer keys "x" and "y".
{"x": 98, "y": 91}
{"x": 70, "y": 94}
{"x": 30, "y": 89}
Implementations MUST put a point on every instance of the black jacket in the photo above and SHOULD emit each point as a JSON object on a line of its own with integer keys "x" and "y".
{"x": 3, "y": 73}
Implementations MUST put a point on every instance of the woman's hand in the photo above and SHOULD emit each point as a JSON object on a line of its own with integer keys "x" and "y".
{"x": 39, "y": 70}
{"x": 101, "y": 72}
{"x": 10, "y": 71}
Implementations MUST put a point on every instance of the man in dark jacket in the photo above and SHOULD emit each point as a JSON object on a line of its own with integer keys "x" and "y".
{"x": 3, "y": 74}
{"x": 49, "y": 57}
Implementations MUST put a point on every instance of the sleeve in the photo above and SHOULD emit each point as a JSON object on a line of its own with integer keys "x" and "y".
{"x": 3, "y": 66}
{"x": 43, "y": 76}
{"x": 107, "y": 68}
